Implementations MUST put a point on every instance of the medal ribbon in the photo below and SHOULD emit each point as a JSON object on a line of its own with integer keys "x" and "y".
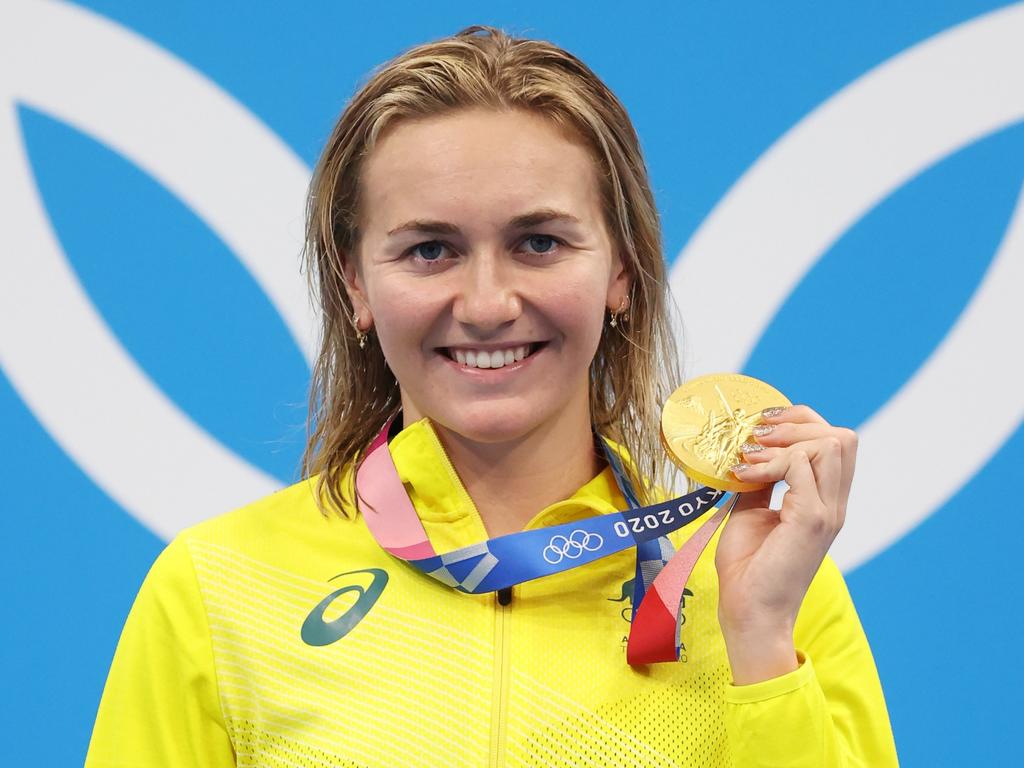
{"x": 508, "y": 560}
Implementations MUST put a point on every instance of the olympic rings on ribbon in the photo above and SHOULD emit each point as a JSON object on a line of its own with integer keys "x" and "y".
{"x": 571, "y": 546}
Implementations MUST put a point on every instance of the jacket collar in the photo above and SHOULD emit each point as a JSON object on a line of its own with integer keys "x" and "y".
{"x": 439, "y": 496}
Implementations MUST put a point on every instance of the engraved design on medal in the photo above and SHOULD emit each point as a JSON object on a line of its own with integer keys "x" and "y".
{"x": 719, "y": 441}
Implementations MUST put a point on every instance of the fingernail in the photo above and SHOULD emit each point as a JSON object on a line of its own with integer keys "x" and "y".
{"x": 763, "y": 429}
{"x": 751, "y": 448}
{"x": 771, "y": 413}
{"x": 737, "y": 468}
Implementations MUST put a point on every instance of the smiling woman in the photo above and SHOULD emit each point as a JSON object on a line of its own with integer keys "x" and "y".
{"x": 504, "y": 248}
{"x": 445, "y": 586}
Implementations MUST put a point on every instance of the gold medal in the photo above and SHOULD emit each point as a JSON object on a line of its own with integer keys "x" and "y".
{"x": 706, "y": 420}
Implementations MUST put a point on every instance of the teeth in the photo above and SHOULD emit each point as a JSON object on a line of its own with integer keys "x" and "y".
{"x": 497, "y": 359}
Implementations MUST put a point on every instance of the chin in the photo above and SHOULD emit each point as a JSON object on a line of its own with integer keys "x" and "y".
{"x": 491, "y": 422}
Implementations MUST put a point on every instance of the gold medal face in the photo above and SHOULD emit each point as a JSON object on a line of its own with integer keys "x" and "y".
{"x": 706, "y": 420}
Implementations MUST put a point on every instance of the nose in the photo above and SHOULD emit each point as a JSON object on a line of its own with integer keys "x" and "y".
{"x": 487, "y": 298}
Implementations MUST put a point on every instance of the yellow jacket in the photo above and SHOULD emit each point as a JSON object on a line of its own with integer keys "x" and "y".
{"x": 274, "y": 636}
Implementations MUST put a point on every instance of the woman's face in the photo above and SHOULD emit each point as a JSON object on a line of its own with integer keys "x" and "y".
{"x": 486, "y": 267}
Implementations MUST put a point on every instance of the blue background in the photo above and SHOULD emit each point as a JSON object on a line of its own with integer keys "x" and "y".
{"x": 710, "y": 87}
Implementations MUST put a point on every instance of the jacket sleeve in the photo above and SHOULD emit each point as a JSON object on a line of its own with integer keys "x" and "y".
{"x": 160, "y": 705}
{"x": 828, "y": 713}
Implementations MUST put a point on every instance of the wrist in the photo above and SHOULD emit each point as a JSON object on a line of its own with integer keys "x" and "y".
{"x": 755, "y": 656}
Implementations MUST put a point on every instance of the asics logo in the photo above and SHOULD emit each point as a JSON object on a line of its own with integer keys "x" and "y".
{"x": 316, "y": 631}
{"x": 571, "y": 546}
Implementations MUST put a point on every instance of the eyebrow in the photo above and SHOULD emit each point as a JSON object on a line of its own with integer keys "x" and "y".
{"x": 523, "y": 221}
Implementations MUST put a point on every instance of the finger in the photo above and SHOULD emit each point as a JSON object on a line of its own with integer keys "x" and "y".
{"x": 806, "y": 504}
{"x": 827, "y": 465}
{"x": 796, "y": 413}
{"x": 788, "y": 433}
{"x": 754, "y": 453}
{"x": 769, "y": 465}
{"x": 849, "y": 440}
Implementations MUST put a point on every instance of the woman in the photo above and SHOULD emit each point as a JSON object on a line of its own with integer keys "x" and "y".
{"x": 485, "y": 247}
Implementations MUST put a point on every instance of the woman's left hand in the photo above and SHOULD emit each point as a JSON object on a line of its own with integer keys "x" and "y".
{"x": 766, "y": 559}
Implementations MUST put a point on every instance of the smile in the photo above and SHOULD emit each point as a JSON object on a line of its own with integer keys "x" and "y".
{"x": 491, "y": 358}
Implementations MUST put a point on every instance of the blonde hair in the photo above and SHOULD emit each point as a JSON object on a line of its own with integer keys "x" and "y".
{"x": 353, "y": 392}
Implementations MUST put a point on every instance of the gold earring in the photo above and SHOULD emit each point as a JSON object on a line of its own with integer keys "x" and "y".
{"x": 360, "y": 336}
{"x": 620, "y": 312}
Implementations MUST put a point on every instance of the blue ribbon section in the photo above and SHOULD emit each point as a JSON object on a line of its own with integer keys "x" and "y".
{"x": 517, "y": 557}
{"x": 651, "y": 556}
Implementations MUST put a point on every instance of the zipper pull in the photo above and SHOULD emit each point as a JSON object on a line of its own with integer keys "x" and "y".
{"x": 505, "y": 596}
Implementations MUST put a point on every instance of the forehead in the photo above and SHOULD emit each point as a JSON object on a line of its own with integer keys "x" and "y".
{"x": 484, "y": 163}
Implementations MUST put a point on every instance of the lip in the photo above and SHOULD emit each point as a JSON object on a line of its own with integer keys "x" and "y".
{"x": 492, "y": 347}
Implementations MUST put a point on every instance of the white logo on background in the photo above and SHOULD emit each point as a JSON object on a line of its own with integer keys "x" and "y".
{"x": 238, "y": 177}
{"x": 809, "y": 188}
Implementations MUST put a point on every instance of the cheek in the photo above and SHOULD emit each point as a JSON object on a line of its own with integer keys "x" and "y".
{"x": 402, "y": 312}
{"x": 577, "y": 309}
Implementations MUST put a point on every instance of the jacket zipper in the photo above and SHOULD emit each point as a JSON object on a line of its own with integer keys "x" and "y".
{"x": 499, "y": 701}
{"x": 502, "y": 620}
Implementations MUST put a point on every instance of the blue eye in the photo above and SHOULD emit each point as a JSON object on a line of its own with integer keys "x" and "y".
{"x": 541, "y": 243}
{"x": 431, "y": 251}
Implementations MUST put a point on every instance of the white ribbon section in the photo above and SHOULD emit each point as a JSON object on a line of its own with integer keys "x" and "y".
{"x": 808, "y": 189}
{"x": 60, "y": 355}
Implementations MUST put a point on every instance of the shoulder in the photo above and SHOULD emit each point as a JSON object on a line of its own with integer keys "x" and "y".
{"x": 283, "y": 530}
{"x": 284, "y": 510}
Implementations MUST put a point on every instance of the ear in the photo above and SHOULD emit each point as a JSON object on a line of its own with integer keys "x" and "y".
{"x": 620, "y": 283}
{"x": 356, "y": 291}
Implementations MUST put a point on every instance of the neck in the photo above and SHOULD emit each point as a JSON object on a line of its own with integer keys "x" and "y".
{"x": 510, "y": 482}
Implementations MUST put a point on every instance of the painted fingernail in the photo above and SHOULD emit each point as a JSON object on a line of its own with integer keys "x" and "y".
{"x": 763, "y": 429}
{"x": 751, "y": 448}
{"x": 737, "y": 468}
{"x": 771, "y": 413}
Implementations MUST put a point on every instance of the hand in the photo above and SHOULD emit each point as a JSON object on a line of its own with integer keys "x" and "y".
{"x": 766, "y": 559}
